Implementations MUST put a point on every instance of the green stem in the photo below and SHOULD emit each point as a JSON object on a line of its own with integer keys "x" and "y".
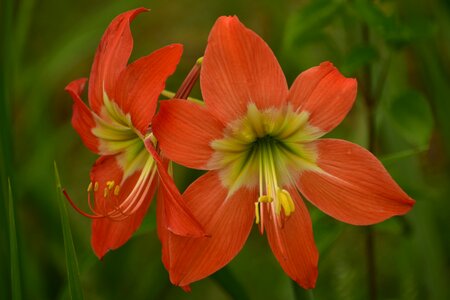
{"x": 230, "y": 284}
{"x": 300, "y": 293}
{"x": 170, "y": 95}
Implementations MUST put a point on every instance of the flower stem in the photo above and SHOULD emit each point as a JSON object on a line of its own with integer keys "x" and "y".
{"x": 300, "y": 293}
{"x": 170, "y": 95}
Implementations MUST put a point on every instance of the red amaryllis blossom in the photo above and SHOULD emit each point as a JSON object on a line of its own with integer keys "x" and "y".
{"x": 260, "y": 142}
{"x": 122, "y": 101}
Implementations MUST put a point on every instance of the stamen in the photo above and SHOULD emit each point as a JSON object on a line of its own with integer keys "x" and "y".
{"x": 286, "y": 201}
{"x": 96, "y": 186}
{"x": 105, "y": 192}
{"x": 89, "y": 188}
{"x": 110, "y": 184}
{"x": 257, "y": 212}
{"x": 117, "y": 190}
{"x": 78, "y": 209}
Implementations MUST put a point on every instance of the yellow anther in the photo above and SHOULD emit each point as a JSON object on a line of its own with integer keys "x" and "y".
{"x": 110, "y": 184}
{"x": 105, "y": 192}
{"x": 96, "y": 186}
{"x": 117, "y": 190}
{"x": 89, "y": 188}
{"x": 257, "y": 212}
{"x": 265, "y": 199}
{"x": 285, "y": 200}
{"x": 199, "y": 60}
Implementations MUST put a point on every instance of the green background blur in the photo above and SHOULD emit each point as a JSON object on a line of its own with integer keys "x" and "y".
{"x": 398, "y": 50}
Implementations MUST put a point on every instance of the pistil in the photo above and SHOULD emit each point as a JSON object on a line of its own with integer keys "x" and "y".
{"x": 271, "y": 195}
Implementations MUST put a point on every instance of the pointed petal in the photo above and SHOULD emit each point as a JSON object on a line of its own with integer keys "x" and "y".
{"x": 325, "y": 93}
{"x": 293, "y": 245}
{"x": 355, "y": 187}
{"x": 178, "y": 217}
{"x": 239, "y": 68}
{"x": 228, "y": 222}
{"x": 139, "y": 86}
{"x": 82, "y": 117}
{"x": 111, "y": 58}
{"x": 185, "y": 131}
{"x": 107, "y": 234}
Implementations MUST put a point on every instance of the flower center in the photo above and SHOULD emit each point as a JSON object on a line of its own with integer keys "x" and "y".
{"x": 267, "y": 149}
{"x": 117, "y": 136}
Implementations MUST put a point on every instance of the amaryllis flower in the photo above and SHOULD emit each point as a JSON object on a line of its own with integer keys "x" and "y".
{"x": 123, "y": 100}
{"x": 260, "y": 142}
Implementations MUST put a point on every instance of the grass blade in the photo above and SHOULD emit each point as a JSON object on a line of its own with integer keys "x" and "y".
{"x": 14, "y": 249}
{"x": 73, "y": 273}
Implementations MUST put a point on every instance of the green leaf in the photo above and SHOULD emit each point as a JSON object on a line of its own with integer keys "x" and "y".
{"x": 411, "y": 115}
{"x": 13, "y": 249}
{"x": 73, "y": 273}
{"x": 395, "y": 33}
{"x": 358, "y": 57}
{"x": 305, "y": 22}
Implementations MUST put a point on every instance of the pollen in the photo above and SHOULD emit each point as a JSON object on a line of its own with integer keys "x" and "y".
{"x": 117, "y": 190}
{"x": 110, "y": 184}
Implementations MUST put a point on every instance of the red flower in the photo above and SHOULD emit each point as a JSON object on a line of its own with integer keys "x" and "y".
{"x": 260, "y": 143}
{"x": 122, "y": 101}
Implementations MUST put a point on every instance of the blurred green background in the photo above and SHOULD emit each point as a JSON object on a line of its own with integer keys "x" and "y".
{"x": 398, "y": 50}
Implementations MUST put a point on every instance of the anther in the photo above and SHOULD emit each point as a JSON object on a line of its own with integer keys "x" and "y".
{"x": 89, "y": 188}
{"x": 96, "y": 186}
{"x": 117, "y": 190}
{"x": 286, "y": 201}
{"x": 110, "y": 184}
{"x": 105, "y": 192}
{"x": 257, "y": 212}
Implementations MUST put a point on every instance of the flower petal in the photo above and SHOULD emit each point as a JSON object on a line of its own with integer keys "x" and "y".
{"x": 111, "y": 58}
{"x": 227, "y": 220}
{"x": 324, "y": 93}
{"x": 106, "y": 233}
{"x": 293, "y": 245}
{"x": 82, "y": 117}
{"x": 139, "y": 86}
{"x": 355, "y": 187}
{"x": 178, "y": 217}
{"x": 239, "y": 68}
{"x": 185, "y": 131}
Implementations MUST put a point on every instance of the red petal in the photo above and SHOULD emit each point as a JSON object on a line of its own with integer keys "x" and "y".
{"x": 355, "y": 187}
{"x": 141, "y": 83}
{"x": 325, "y": 94}
{"x": 82, "y": 117}
{"x": 239, "y": 68}
{"x": 111, "y": 58}
{"x": 293, "y": 245}
{"x": 178, "y": 217}
{"x": 227, "y": 220}
{"x": 185, "y": 130}
{"x": 108, "y": 234}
